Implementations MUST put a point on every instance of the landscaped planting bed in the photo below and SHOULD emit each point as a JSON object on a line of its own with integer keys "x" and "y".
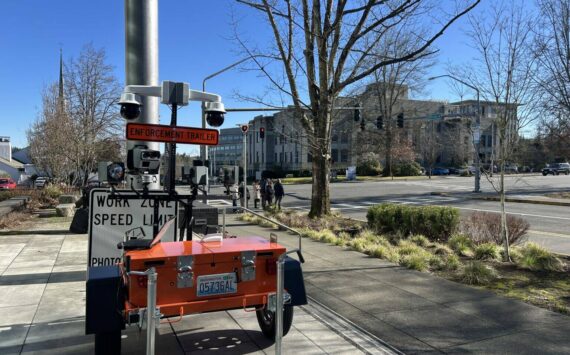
{"x": 461, "y": 251}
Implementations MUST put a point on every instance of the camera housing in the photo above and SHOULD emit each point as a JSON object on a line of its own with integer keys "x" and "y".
{"x": 111, "y": 172}
{"x": 130, "y": 106}
{"x": 143, "y": 159}
{"x": 215, "y": 113}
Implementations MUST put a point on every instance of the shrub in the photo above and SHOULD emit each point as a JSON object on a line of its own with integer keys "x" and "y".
{"x": 434, "y": 222}
{"x": 406, "y": 247}
{"x": 442, "y": 249}
{"x": 461, "y": 244}
{"x": 477, "y": 273}
{"x": 436, "y": 262}
{"x": 485, "y": 227}
{"x": 410, "y": 168}
{"x": 4, "y": 195}
{"x": 386, "y": 252}
{"x": 487, "y": 251}
{"x": 536, "y": 258}
{"x": 420, "y": 240}
{"x": 416, "y": 261}
{"x": 368, "y": 167}
{"x": 451, "y": 262}
{"x": 52, "y": 191}
{"x": 359, "y": 244}
{"x": 327, "y": 236}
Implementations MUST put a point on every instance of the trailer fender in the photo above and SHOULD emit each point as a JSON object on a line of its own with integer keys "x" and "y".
{"x": 294, "y": 282}
{"x": 104, "y": 300}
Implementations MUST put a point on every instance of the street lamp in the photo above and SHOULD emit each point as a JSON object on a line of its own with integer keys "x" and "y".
{"x": 204, "y": 150}
{"x": 476, "y": 134}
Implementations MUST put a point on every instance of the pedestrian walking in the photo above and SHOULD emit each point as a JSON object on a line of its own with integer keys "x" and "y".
{"x": 256, "y": 193}
{"x": 269, "y": 193}
{"x": 279, "y": 193}
{"x": 243, "y": 193}
{"x": 262, "y": 186}
{"x": 234, "y": 190}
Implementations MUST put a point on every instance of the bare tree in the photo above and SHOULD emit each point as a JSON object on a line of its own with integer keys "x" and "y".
{"x": 77, "y": 130}
{"x": 320, "y": 47}
{"x": 504, "y": 71}
{"x": 553, "y": 48}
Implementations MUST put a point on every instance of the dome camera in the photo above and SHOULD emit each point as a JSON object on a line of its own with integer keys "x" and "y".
{"x": 215, "y": 113}
{"x": 130, "y": 106}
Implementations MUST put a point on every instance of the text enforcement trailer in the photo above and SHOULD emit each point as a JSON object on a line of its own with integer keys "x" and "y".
{"x": 171, "y": 134}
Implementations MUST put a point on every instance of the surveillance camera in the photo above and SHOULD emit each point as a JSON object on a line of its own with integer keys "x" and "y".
{"x": 143, "y": 159}
{"x": 130, "y": 106}
{"x": 215, "y": 112}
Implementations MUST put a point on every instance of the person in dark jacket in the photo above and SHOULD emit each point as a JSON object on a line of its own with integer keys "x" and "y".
{"x": 279, "y": 193}
{"x": 269, "y": 193}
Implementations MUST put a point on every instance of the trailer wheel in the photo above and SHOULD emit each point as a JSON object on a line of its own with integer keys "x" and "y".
{"x": 266, "y": 320}
{"x": 108, "y": 343}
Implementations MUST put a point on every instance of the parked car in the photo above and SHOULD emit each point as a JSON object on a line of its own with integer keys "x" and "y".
{"x": 440, "y": 171}
{"x": 454, "y": 171}
{"x": 556, "y": 168}
{"x": 7, "y": 183}
{"x": 40, "y": 182}
{"x": 511, "y": 169}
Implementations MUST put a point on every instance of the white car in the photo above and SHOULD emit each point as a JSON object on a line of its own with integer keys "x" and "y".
{"x": 40, "y": 182}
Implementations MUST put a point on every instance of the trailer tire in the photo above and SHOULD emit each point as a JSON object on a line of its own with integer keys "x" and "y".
{"x": 266, "y": 320}
{"x": 108, "y": 343}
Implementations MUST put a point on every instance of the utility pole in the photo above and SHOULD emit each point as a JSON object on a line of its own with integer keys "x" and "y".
{"x": 244, "y": 129}
{"x": 141, "y": 68}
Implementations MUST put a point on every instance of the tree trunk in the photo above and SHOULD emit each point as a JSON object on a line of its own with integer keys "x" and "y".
{"x": 320, "y": 196}
{"x": 502, "y": 191}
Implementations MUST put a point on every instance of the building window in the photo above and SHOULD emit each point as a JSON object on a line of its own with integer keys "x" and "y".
{"x": 344, "y": 155}
{"x": 281, "y": 157}
{"x": 334, "y": 155}
{"x": 296, "y": 156}
{"x": 275, "y": 157}
{"x": 335, "y": 138}
{"x": 309, "y": 158}
{"x": 290, "y": 157}
{"x": 257, "y": 157}
{"x": 344, "y": 138}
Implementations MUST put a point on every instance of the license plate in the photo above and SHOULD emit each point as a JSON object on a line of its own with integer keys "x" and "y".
{"x": 219, "y": 284}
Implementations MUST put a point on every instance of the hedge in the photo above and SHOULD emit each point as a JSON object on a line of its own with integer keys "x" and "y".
{"x": 435, "y": 222}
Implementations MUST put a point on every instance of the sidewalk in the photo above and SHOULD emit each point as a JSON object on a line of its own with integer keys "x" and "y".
{"x": 533, "y": 199}
{"x": 417, "y": 312}
{"x": 42, "y": 309}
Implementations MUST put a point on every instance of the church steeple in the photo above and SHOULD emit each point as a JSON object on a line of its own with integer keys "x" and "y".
{"x": 61, "y": 98}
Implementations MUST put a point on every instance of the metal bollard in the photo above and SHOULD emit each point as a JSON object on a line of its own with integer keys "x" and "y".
{"x": 151, "y": 311}
{"x": 152, "y": 314}
{"x": 279, "y": 303}
{"x": 224, "y": 222}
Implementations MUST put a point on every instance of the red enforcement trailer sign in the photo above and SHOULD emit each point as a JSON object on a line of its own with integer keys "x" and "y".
{"x": 168, "y": 134}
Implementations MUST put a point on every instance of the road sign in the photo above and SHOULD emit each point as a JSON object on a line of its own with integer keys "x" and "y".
{"x": 244, "y": 128}
{"x": 168, "y": 134}
{"x": 111, "y": 219}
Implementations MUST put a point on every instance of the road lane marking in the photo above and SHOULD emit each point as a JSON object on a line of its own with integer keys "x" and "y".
{"x": 549, "y": 234}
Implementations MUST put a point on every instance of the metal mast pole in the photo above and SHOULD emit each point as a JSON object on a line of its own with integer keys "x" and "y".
{"x": 141, "y": 66}
{"x": 245, "y": 168}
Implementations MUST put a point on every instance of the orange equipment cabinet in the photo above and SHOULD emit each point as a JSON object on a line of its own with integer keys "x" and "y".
{"x": 197, "y": 277}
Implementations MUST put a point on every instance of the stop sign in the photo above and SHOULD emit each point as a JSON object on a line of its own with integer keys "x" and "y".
{"x": 244, "y": 128}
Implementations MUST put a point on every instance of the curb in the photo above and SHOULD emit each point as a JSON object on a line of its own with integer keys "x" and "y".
{"x": 522, "y": 200}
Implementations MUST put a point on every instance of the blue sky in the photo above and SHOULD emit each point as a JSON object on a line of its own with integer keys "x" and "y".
{"x": 193, "y": 43}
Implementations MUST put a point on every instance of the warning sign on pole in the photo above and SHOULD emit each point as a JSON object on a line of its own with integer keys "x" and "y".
{"x": 169, "y": 134}
{"x": 113, "y": 220}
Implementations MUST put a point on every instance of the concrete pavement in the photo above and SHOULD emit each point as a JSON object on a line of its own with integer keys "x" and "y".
{"x": 42, "y": 309}
{"x": 421, "y": 313}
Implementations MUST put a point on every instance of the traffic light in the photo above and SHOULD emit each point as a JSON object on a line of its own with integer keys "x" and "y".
{"x": 356, "y": 114}
{"x": 401, "y": 120}
{"x": 262, "y": 132}
{"x": 380, "y": 122}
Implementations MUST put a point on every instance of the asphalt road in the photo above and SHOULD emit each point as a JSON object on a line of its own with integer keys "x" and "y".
{"x": 550, "y": 225}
